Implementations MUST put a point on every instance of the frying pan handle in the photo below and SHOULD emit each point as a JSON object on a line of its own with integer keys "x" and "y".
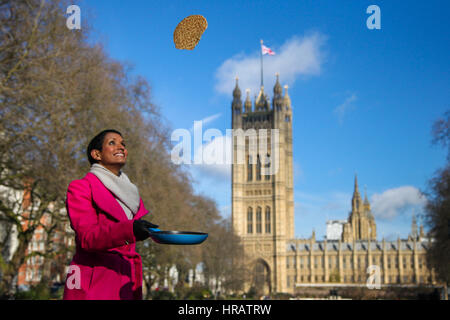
{"x": 154, "y": 229}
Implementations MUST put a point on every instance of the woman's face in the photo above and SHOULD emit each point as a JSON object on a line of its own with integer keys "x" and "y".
{"x": 114, "y": 153}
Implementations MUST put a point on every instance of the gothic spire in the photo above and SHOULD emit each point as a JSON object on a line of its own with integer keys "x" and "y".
{"x": 261, "y": 102}
{"x": 356, "y": 200}
{"x": 237, "y": 102}
{"x": 277, "y": 90}
{"x": 237, "y": 91}
{"x": 414, "y": 227}
{"x": 286, "y": 98}
{"x": 367, "y": 204}
{"x": 248, "y": 102}
{"x": 366, "y": 201}
{"x": 277, "y": 101}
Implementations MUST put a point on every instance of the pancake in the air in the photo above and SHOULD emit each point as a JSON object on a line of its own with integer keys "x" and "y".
{"x": 188, "y": 32}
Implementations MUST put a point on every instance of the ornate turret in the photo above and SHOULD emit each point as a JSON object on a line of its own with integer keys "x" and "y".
{"x": 262, "y": 103}
{"x": 414, "y": 234}
{"x": 248, "y": 102}
{"x": 237, "y": 102}
{"x": 361, "y": 223}
{"x": 286, "y": 98}
{"x": 367, "y": 204}
{"x": 356, "y": 200}
{"x": 277, "y": 101}
{"x": 414, "y": 225}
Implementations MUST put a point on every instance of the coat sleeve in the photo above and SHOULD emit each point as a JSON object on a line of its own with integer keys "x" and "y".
{"x": 84, "y": 220}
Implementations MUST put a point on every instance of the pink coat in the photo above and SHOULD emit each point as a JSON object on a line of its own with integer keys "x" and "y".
{"x": 105, "y": 264}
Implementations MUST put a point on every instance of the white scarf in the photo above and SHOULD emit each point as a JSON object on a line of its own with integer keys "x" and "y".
{"x": 125, "y": 192}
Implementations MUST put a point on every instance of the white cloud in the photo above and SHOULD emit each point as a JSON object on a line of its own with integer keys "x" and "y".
{"x": 394, "y": 202}
{"x": 345, "y": 107}
{"x": 297, "y": 56}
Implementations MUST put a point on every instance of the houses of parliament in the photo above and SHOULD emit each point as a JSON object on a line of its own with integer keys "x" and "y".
{"x": 263, "y": 218}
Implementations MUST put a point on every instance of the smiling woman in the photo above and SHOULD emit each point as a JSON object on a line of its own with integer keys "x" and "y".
{"x": 108, "y": 149}
{"x": 104, "y": 209}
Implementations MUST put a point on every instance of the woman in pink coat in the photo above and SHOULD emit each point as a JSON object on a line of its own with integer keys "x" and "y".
{"x": 104, "y": 209}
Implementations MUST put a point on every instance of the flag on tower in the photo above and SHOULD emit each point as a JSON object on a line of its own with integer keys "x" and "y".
{"x": 266, "y": 50}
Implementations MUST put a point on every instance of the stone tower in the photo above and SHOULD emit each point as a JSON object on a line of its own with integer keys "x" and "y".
{"x": 361, "y": 222}
{"x": 263, "y": 204}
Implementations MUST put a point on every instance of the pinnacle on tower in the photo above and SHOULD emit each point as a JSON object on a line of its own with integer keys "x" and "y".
{"x": 277, "y": 100}
{"x": 356, "y": 191}
{"x": 237, "y": 91}
{"x": 277, "y": 90}
{"x": 237, "y": 102}
{"x": 414, "y": 227}
{"x": 356, "y": 199}
{"x": 248, "y": 102}
{"x": 261, "y": 102}
{"x": 286, "y": 98}
{"x": 366, "y": 200}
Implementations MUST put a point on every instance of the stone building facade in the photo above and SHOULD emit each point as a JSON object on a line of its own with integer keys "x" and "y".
{"x": 263, "y": 214}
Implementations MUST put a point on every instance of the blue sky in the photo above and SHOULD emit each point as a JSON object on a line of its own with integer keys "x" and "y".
{"x": 364, "y": 101}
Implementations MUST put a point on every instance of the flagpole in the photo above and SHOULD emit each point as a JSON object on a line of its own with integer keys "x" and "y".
{"x": 260, "y": 52}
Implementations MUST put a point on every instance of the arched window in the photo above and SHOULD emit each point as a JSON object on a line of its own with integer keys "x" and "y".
{"x": 250, "y": 220}
{"x": 258, "y": 220}
{"x": 267, "y": 219}
{"x": 258, "y": 168}
{"x": 249, "y": 168}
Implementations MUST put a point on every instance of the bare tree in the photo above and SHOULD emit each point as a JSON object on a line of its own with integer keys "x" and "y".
{"x": 224, "y": 258}
{"x": 57, "y": 91}
{"x": 438, "y": 207}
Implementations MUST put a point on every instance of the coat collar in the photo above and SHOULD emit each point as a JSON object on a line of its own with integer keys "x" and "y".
{"x": 105, "y": 200}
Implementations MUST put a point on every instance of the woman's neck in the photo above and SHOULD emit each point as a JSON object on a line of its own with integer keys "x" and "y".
{"x": 113, "y": 168}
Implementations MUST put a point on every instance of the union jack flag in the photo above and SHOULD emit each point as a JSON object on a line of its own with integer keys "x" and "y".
{"x": 266, "y": 50}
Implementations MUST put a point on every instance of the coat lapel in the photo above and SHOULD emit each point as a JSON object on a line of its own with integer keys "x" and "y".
{"x": 141, "y": 211}
{"x": 105, "y": 200}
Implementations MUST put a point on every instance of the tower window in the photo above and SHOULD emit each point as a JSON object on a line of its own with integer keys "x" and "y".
{"x": 250, "y": 220}
{"x": 258, "y": 220}
{"x": 267, "y": 219}
{"x": 287, "y": 119}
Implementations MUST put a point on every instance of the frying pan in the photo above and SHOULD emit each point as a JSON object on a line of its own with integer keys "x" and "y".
{"x": 177, "y": 237}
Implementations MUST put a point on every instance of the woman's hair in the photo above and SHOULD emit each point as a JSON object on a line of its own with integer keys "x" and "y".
{"x": 97, "y": 143}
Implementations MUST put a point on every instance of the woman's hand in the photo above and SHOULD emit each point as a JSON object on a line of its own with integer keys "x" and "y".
{"x": 140, "y": 229}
